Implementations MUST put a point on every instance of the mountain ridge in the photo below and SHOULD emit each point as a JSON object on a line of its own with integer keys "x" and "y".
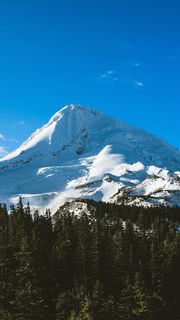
{"x": 80, "y": 146}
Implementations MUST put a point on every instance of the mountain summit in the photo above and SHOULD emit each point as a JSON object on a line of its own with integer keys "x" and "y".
{"x": 84, "y": 153}
{"x": 76, "y": 130}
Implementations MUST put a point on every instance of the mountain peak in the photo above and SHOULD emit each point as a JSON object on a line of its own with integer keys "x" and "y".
{"x": 63, "y": 129}
{"x": 75, "y": 130}
{"x": 71, "y": 108}
{"x": 82, "y": 152}
{"x": 74, "y": 112}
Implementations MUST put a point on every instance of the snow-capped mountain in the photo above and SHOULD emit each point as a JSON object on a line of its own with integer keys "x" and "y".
{"x": 81, "y": 153}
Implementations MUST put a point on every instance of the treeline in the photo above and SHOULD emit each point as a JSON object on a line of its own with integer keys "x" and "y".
{"x": 108, "y": 262}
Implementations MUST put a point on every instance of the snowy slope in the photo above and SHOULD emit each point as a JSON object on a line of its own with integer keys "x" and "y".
{"x": 83, "y": 153}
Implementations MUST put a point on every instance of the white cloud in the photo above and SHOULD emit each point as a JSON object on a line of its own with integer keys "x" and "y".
{"x": 139, "y": 84}
{"x": 109, "y": 75}
{"x": 110, "y": 71}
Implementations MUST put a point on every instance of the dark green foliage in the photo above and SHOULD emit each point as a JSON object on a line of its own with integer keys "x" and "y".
{"x": 113, "y": 263}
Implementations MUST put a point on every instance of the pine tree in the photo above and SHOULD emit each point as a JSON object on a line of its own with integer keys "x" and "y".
{"x": 7, "y": 283}
{"x": 43, "y": 282}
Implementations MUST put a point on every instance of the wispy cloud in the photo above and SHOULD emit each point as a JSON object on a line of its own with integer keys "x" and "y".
{"x": 2, "y": 137}
{"x": 111, "y": 72}
{"x": 103, "y": 76}
{"x": 3, "y": 151}
{"x": 6, "y": 144}
{"x": 7, "y": 139}
{"x": 21, "y": 122}
{"x": 18, "y": 124}
{"x": 138, "y": 83}
{"x": 109, "y": 75}
{"x": 135, "y": 64}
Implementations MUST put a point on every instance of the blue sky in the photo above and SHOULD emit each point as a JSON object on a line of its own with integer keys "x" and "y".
{"x": 119, "y": 57}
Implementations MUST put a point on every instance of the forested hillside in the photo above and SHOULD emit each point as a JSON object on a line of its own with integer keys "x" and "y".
{"x": 106, "y": 262}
